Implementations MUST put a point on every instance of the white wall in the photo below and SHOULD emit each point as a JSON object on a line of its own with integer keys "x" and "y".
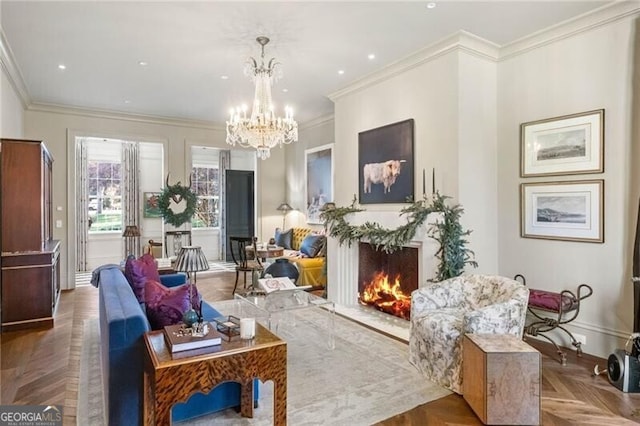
{"x": 55, "y": 125}
{"x": 311, "y": 135}
{"x": 468, "y": 104}
{"x": 477, "y": 158}
{"x": 427, "y": 93}
{"x": 11, "y": 111}
{"x": 270, "y": 192}
{"x": 151, "y": 180}
{"x": 587, "y": 71}
{"x": 452, "y": 98}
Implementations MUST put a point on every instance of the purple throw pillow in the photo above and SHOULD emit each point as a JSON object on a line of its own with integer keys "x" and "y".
{"x": 138, "y": 271}
{"x": 165, "y": 306}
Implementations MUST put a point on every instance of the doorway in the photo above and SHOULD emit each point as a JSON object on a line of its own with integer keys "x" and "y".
{"x": 239, "y": 203}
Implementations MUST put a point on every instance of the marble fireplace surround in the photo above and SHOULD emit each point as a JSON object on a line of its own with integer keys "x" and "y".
{"x": 342, "y": 270}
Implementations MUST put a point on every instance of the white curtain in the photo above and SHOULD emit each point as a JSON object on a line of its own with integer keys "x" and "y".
{"x": 82, "y": 204}
{"x": 130, "y": 192}
{"x": 223, "y": 165}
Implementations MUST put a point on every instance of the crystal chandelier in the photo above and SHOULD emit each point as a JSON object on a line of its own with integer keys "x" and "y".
{"x": 263, "y": 130}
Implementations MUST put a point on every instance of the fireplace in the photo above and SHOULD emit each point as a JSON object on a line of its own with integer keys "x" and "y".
{"x": 386, "y": 280}
{"x": 343, "y": 259}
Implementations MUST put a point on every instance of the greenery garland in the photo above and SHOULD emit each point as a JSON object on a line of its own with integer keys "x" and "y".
{"x": 452, "y": 253}
{"x": 177, "y": 193}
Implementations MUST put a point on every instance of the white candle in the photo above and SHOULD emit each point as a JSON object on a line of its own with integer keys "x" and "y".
{"x": 247, "y": 328}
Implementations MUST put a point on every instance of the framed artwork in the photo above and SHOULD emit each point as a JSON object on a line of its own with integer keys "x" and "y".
{"x": 385, "y": 164}
{"x": 318, "y": 180}
{"x": 151, "y": 207}
{"x": 572, "y": 144}
{"x": 570, "y": 211}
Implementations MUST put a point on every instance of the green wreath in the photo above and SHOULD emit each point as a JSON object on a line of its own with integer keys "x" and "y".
{"x": 448, "y": 232}
{"x": 177, "y": 193}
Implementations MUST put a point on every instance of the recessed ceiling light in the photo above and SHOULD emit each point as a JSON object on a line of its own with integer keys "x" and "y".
{"x": 127, "y": 101}
{"x": 224, "y": 77}
{"x": 371, "y": 56}
{"x": 62, "y": 67}
{"x": 285, "y": 90}
{"x": 340, "y": 72}
{"x": 431, "y": 5}
{"x": 143, "y": 63}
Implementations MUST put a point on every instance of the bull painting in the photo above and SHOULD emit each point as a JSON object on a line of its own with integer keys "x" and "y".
{"x": 385, "y": 160}
{"x": 385, "y": 173}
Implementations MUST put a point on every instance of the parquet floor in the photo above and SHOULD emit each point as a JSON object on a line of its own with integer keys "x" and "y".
{"x": 42, "y": 367}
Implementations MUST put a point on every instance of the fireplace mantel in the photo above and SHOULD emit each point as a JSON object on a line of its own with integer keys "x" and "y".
{"x": 342, "y": 260}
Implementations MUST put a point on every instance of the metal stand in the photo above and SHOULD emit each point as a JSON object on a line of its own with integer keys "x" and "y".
{"x": 565, "y": 307}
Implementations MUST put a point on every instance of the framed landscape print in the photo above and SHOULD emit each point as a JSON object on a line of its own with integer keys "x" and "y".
{"x": 570, "y": 211}
{"x": 318, "y": 179}
{"x": 385, "y": 164}
{"x": 150, "y": 207}
{"x": 572, "y": 144}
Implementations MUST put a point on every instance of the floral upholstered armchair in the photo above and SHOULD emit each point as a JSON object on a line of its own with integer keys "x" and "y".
{"x": 443, "y": 312}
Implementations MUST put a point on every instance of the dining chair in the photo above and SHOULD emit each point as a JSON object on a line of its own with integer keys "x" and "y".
{"x": 239, "y": 255}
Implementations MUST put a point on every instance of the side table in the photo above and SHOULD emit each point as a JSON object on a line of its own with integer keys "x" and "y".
{"x": 265, "y": 253}
{"x": 165, "y": 266}
{"x": 168, "y": 381}
{"x": 501, "y": 379}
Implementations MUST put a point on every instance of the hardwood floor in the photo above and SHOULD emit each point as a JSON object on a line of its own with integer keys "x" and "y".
{"x": 570, "y": 396}
{"x": 42, "y": 367}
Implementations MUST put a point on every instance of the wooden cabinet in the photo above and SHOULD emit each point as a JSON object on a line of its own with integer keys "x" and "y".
{"x": 30, "y": 278}
{"x": 501, "y": 379}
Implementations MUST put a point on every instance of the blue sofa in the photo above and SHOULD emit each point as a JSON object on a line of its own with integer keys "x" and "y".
{"x": 122, "y": 324}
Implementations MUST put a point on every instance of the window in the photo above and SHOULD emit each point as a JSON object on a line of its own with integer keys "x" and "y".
{"x": 105, "y": 195}
{"x": 205, "y": 183}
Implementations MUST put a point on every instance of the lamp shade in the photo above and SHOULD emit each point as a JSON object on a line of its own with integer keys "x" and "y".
{"x": 191, "y": 259}
{"x": 284, "y": 207}
{"x": 131, "y": 231}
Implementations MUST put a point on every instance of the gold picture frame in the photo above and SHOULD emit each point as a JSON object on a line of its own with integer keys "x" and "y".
{"x": 567, "y": 145}
{"x": 567, "y": 210}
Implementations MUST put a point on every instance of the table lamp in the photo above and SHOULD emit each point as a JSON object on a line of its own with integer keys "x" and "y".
{"x": 191, "y": 259}
{"x": 284, "y": 208}
{"x": 130, "y": 234}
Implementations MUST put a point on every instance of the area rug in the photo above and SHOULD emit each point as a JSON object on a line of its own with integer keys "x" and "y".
{"x": 365, "y": 379}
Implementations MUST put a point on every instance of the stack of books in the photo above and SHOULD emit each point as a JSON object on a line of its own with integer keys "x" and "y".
{"x": 181, "y": 340}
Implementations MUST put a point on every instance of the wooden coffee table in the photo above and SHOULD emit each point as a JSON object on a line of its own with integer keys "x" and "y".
{"x": 168, "y": 380}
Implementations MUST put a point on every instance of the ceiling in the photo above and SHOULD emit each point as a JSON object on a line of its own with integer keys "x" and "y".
{"x": 189, "y": 46}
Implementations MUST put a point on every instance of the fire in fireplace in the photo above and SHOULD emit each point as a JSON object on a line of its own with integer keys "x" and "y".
{"x": 387, "y": 297}
{"x": 386, "y": 280}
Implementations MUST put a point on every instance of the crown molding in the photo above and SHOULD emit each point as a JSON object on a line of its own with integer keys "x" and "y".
{"x": 12, "y": 71}
{"x": 318, "y": 121}
{"x": 125, "y": 116}
{"x": 460, "y": 41}
{"x": 586, "y": 22}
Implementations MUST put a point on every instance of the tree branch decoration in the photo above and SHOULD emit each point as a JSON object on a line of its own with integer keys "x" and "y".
{"x": 448, "y": 232}
{"x": 177, "y": 193}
